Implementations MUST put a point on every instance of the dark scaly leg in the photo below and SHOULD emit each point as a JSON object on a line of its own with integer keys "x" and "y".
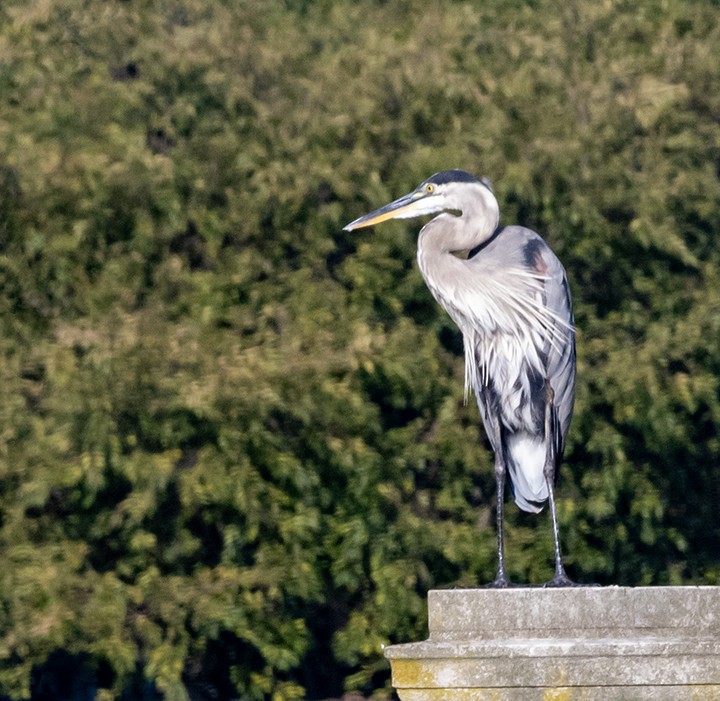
{"x": 501, "y": 579}
{"x": 560, "y": 579}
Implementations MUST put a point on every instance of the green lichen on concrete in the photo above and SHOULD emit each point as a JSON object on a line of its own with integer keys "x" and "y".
{"x": 703, "y": 692}
{"x": 412, "y": 674}
{"x": 558, "y": 694}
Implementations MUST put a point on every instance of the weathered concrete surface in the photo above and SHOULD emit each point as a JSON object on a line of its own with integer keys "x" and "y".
{"x": 586, "y": 693}
{"x": 589, "y": 644}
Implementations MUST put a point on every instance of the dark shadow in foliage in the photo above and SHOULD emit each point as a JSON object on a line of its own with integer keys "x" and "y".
{"x": 451, "y": 340}
{"x": 421, "y": 308}
{"x": 10, "y": 200}
{"x": 159, "y": 141}
{"x": 320, "y": 674}
{"x": 177, "y": 427}
{"x": 56, "y": 506}
{"x": 111, "y": 228}
{"x": 77, "y": 509}
{"x": 140, "y": 689}
{"x": 163, "y": 523}
{"x": 105, "y": 551}
{"x": 130, "y": 71}
{"x": 207, "y": 676}
{"x": 190, "y": 244}
{"x": 396, "y": 406}
{"x": 345, "y": 246}
{"x": 65, "y": 677}
{"x": 325, "y": 193}
{"x": 207, "y": 526}
{"x": 208, "y": 531}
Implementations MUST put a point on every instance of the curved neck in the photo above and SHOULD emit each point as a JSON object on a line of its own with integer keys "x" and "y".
{"x": 448, "y": 233}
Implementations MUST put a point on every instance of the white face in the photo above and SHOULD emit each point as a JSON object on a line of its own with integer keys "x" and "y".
{"x": 455, "y": 197}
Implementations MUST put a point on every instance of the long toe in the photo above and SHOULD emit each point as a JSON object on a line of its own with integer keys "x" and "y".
{"x": 501, "y": 581}
{"x": 562, "y": 580}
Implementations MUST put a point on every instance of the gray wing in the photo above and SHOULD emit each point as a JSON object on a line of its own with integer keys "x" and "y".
{"x": 517, "y": 246}
{"x": 560, "y": 354}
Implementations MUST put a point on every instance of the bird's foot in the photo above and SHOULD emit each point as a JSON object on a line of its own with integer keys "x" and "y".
{"x": 501, "y": 581}
{"x": 561, "y": 580}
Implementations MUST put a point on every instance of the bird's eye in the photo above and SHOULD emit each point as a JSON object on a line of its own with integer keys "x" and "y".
{"x": 429, "y": 188}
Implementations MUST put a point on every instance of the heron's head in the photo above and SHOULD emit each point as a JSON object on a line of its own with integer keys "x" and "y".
{"x": 453, "y": 191}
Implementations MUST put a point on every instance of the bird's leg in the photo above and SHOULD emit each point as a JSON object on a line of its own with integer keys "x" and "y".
{"x": 501, "y": 579}
{"x": 560, "y": 579}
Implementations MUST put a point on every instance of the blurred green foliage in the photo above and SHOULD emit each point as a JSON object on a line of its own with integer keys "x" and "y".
{"x": 233, "y": 450}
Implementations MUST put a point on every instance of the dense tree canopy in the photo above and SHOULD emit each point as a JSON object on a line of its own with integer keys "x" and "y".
{"x": 234, "y": 454}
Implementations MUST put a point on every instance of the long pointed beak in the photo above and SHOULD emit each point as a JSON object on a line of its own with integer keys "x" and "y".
{"x": 406, "y": 206}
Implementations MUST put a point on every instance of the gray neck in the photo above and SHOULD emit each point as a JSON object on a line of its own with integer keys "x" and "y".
{"x": 447, "y": 234}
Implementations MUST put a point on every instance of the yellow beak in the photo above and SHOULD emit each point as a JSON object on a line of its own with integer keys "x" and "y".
{"x": 403, "y": 208}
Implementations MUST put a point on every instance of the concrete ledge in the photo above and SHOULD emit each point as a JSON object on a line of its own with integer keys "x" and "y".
{"x": 587, "y": 693}
{"x": 590, "y": 644}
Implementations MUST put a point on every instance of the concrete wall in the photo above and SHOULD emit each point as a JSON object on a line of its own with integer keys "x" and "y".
{"x": 576, "y": 644}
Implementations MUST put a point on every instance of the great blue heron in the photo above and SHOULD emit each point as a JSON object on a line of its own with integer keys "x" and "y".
{"x": 511, "y": 300}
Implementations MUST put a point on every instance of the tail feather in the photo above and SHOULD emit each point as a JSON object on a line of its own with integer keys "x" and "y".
{"x": 526, "y": 459}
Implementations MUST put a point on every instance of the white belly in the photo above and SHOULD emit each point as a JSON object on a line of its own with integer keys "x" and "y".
{"x": 502, "y": 361}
